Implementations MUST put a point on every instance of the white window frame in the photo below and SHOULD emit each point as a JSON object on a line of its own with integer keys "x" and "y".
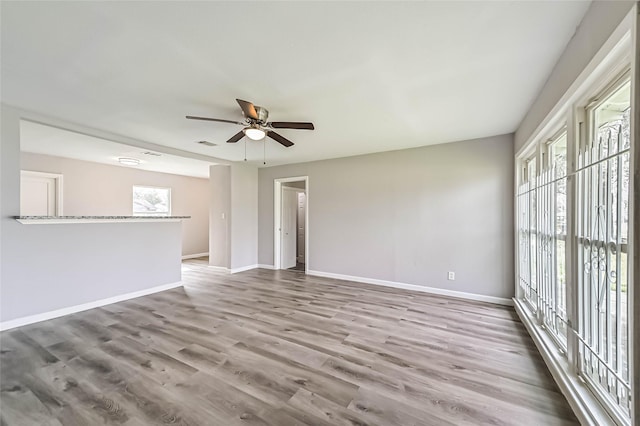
{"x": 169, "y": 200}
{"x": 615, "y": 55}
{"x": 587, "y": 114}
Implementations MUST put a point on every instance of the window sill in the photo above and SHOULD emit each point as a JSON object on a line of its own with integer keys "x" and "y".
{"x": 587, "y": 408}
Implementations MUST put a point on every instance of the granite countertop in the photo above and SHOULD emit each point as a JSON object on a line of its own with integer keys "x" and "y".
{"x": 99, "y": 217}
{"x": 39, "y": 220}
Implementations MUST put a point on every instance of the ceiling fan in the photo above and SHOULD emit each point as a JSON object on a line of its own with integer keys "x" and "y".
{"x": 256, "y": 126}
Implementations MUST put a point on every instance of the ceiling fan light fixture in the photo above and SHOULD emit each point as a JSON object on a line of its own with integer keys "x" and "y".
{"x": 126, "y": 161}
{"x": 255, "y": 133}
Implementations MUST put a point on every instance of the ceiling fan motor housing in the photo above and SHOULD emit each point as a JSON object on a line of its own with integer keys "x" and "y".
{"x": 262, "y": 114}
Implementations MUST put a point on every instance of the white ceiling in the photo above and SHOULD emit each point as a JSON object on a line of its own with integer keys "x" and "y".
{"x": 41, "y": 139}
{"x": 372, "y": 76}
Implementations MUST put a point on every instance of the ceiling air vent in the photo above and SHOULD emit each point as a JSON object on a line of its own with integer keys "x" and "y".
{"x": 207, "y": 143}
{"x": 154, "y": 154}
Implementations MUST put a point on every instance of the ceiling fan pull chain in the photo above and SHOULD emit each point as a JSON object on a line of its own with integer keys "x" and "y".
{"x": 264, "y": 152}
{"x": 245, "y": 149}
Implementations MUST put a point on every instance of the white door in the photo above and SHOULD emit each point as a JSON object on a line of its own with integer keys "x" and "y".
{"x": 289, "y": 235}
{"x": 302, "y": 201}
{"x": 38, "y": 194}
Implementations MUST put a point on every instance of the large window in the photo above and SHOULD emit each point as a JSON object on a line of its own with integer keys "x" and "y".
{"x": 552, "y": 193}
{"x": 527, "y": 233}
{"x": 602, "y": 213}
{"x": 151, "y": 201}
{"x": 573, "y": 239}
{"x": 542, "y": 233}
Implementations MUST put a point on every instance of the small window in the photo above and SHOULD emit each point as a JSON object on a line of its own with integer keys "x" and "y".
{"x": 151, "y": 201}
{"x": 531, "y": 170}
{"x": 558, "y": 149}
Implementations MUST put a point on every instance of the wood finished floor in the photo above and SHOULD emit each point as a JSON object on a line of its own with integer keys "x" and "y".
{"x": 278, "y": 348}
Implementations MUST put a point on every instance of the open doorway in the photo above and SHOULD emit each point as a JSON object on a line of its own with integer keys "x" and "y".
{"x": 291, "y": 223}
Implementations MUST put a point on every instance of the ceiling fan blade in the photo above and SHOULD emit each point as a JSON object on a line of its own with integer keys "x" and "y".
{"x": 235, "y": 138}
{"x": 191, "y": 117}
{"x": 291, "y": 125}
{"x": 279, "y": 138}
{"x": 248, "y": 109}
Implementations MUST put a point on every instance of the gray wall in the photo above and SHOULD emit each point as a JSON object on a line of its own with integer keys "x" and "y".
{"x": 234, "y": 194}
{"x": 219, "y": 215}
{"x": 244, "y": 216}
{"x": 597, "y": 25}
{"x": 94, "y": 189}
{"x": 49, "y": 267}
{"x": 409, "y": 216}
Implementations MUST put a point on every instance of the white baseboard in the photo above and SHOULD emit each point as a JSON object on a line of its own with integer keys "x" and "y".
{"x": 18, "y": 322}
{"x": 265, "y": 266}
{"x": 586, "y": 407}
{"x": 243, "y": 268}
{"x": 193, "y": 256}
{"x": 432, "y": 290}
{"x": 234, "y": 270}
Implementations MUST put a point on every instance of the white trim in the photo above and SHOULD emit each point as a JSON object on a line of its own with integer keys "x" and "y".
{"x": 36, "y": 173}
{"x": 277, "y": 213}
{"x": 297, "y": 191}
{"x": 218, "y": 268}
{"x": 240, "y": 269}
{"x": 59, "y": 179}
{"x": 583, "y": 403}
{"x": 18, "y": 322}
{"x": 634, "y": 225}
{"x": 243, "y": 268}
{"x": 265, "y": 266}
{"x": 194, "y": 256}
{"x": 414, "y": 287}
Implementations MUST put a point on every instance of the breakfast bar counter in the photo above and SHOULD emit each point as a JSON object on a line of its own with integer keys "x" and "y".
{"x": 51, "y": 220}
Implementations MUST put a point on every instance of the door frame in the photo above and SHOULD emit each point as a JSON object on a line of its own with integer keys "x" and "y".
{"x": 59, "y": 184}
{"x": 277, "y": 220}
{"x": 296, "y": 191}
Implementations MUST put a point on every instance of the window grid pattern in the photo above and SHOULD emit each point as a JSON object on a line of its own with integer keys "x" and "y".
{"x": 552, "y": 235}
{"x": 602, "y": 211}
{"x": 527, "y": 245}
{"x": 595, "y": 249}
{"x": 542, "y": 238}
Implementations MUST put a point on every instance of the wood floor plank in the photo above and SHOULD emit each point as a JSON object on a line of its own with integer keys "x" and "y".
{"x": 278, "y": 348}
{"x": 327, "y": 413}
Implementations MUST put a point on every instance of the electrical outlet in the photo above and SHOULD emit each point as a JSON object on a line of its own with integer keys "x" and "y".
{"x": 452, "y": 276}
